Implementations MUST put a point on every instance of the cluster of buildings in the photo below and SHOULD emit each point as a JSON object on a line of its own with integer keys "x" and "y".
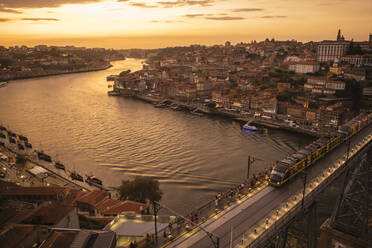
{"x": 270, "y": 77}
{"x": 64, "y": 217}
{"x": 23, "y": 62}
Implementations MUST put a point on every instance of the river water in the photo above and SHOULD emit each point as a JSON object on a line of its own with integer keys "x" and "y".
{"x": 71, "y": 117}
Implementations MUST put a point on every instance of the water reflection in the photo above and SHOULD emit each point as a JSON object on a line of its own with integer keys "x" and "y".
{"x": 117, "y": 138}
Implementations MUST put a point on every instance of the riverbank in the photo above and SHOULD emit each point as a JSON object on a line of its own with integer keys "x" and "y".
{"x": 22, "y": 175}
{"x": 47, "y": 174}
{"x": 273, "y": 123}
{"x": 56, "y": 73}
{"x": 72, "y": 118}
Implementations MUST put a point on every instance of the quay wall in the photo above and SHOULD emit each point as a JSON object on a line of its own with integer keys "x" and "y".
{"x": 273, "y": 124}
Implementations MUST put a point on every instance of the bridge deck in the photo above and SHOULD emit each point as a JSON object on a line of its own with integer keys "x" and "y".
{"x": 234, "y": 221}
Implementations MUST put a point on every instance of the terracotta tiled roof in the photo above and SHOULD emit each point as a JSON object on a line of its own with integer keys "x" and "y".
{"x": 126, "y": 206}
{"x": 47, "y": 214}
{"x": 72, "y": 195}
{"x": 93, "y": 198}
{"x": 107, "y": 204}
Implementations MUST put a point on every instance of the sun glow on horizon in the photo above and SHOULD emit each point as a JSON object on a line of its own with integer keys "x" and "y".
{"x": 218, "y": 19}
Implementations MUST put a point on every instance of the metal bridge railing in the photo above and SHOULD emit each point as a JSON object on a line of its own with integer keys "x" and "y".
{"x": 212, "y": 208}
{"x": 266, "y": 230}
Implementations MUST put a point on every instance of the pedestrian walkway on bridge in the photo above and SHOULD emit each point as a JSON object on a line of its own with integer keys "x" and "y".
{"x": 255, "y": 215}
{"x": 209, "y": 212}
{"x": 276, "y": 218}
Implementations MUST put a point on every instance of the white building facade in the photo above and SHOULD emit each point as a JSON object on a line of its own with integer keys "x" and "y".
{"x": 304, "y": 67}
{"x": 330, "y": 50}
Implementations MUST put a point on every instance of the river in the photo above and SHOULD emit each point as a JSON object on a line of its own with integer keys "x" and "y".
{"x": 71, "y": 117}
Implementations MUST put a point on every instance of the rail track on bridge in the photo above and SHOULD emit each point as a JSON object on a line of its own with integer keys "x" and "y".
{"x": 237, "y": 222}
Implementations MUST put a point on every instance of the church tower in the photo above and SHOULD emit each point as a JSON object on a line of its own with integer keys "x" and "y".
{"x": 340, "y": 37}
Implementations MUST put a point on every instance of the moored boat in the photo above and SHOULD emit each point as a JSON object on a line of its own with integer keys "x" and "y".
{"x": 11, "y": 140}
{"x": 42, "y": 156}
{"x": 28, "y": 145}
{"x": 21, "y": 147}
{"x": 248, "y": 127}
{"x": 92, "y": 180}
{"x": 2, "y": 128}
{"x": 11, "y": 134}
{"x": 176, "y": 107}
{"x": 23, "y": 138}
{"x": 113, "y": 93}
{"x": 76, "y": 176}
{"x": 59, "y": 166}
{"x": 111, "y": 77}
{"x": 160, "y": 105}
{"x": 3, "y": 84}
{"x": 2, "y": 135}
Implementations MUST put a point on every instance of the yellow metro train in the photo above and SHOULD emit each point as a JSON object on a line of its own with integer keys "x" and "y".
{"x": 287, "y": 168}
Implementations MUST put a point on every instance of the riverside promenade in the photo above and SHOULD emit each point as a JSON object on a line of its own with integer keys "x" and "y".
{"x": 22, "y": 176}
{"x": 275, "y": 122}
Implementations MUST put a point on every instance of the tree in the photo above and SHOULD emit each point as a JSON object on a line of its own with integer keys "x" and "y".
{"x": 141, "y": 189}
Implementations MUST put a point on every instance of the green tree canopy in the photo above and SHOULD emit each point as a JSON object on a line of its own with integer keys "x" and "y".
{"x": 140, "y": 189}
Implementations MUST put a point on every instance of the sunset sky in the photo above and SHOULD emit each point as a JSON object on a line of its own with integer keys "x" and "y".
{"x": 161, "y": 23}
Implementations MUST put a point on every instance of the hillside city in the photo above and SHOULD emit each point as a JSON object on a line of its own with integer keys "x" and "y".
{"x": 318, "y": 85}
{"x": 312, "y": 87}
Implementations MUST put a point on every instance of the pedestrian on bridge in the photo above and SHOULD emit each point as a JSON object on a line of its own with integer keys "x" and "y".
{"x": 148, "y": 239}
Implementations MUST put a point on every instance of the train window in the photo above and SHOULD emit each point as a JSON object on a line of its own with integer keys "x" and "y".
{"x": 275, "y": 178}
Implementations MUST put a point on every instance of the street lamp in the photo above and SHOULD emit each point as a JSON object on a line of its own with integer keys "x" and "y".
{"x": 154, "y": 204}
{"x": 304, "y": 173}
{"x": 348, "y": 149}
{"x": 251, "y": 160}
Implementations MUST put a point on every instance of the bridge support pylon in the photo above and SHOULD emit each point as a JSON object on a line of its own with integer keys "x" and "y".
{"x": 350, "y": 224}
